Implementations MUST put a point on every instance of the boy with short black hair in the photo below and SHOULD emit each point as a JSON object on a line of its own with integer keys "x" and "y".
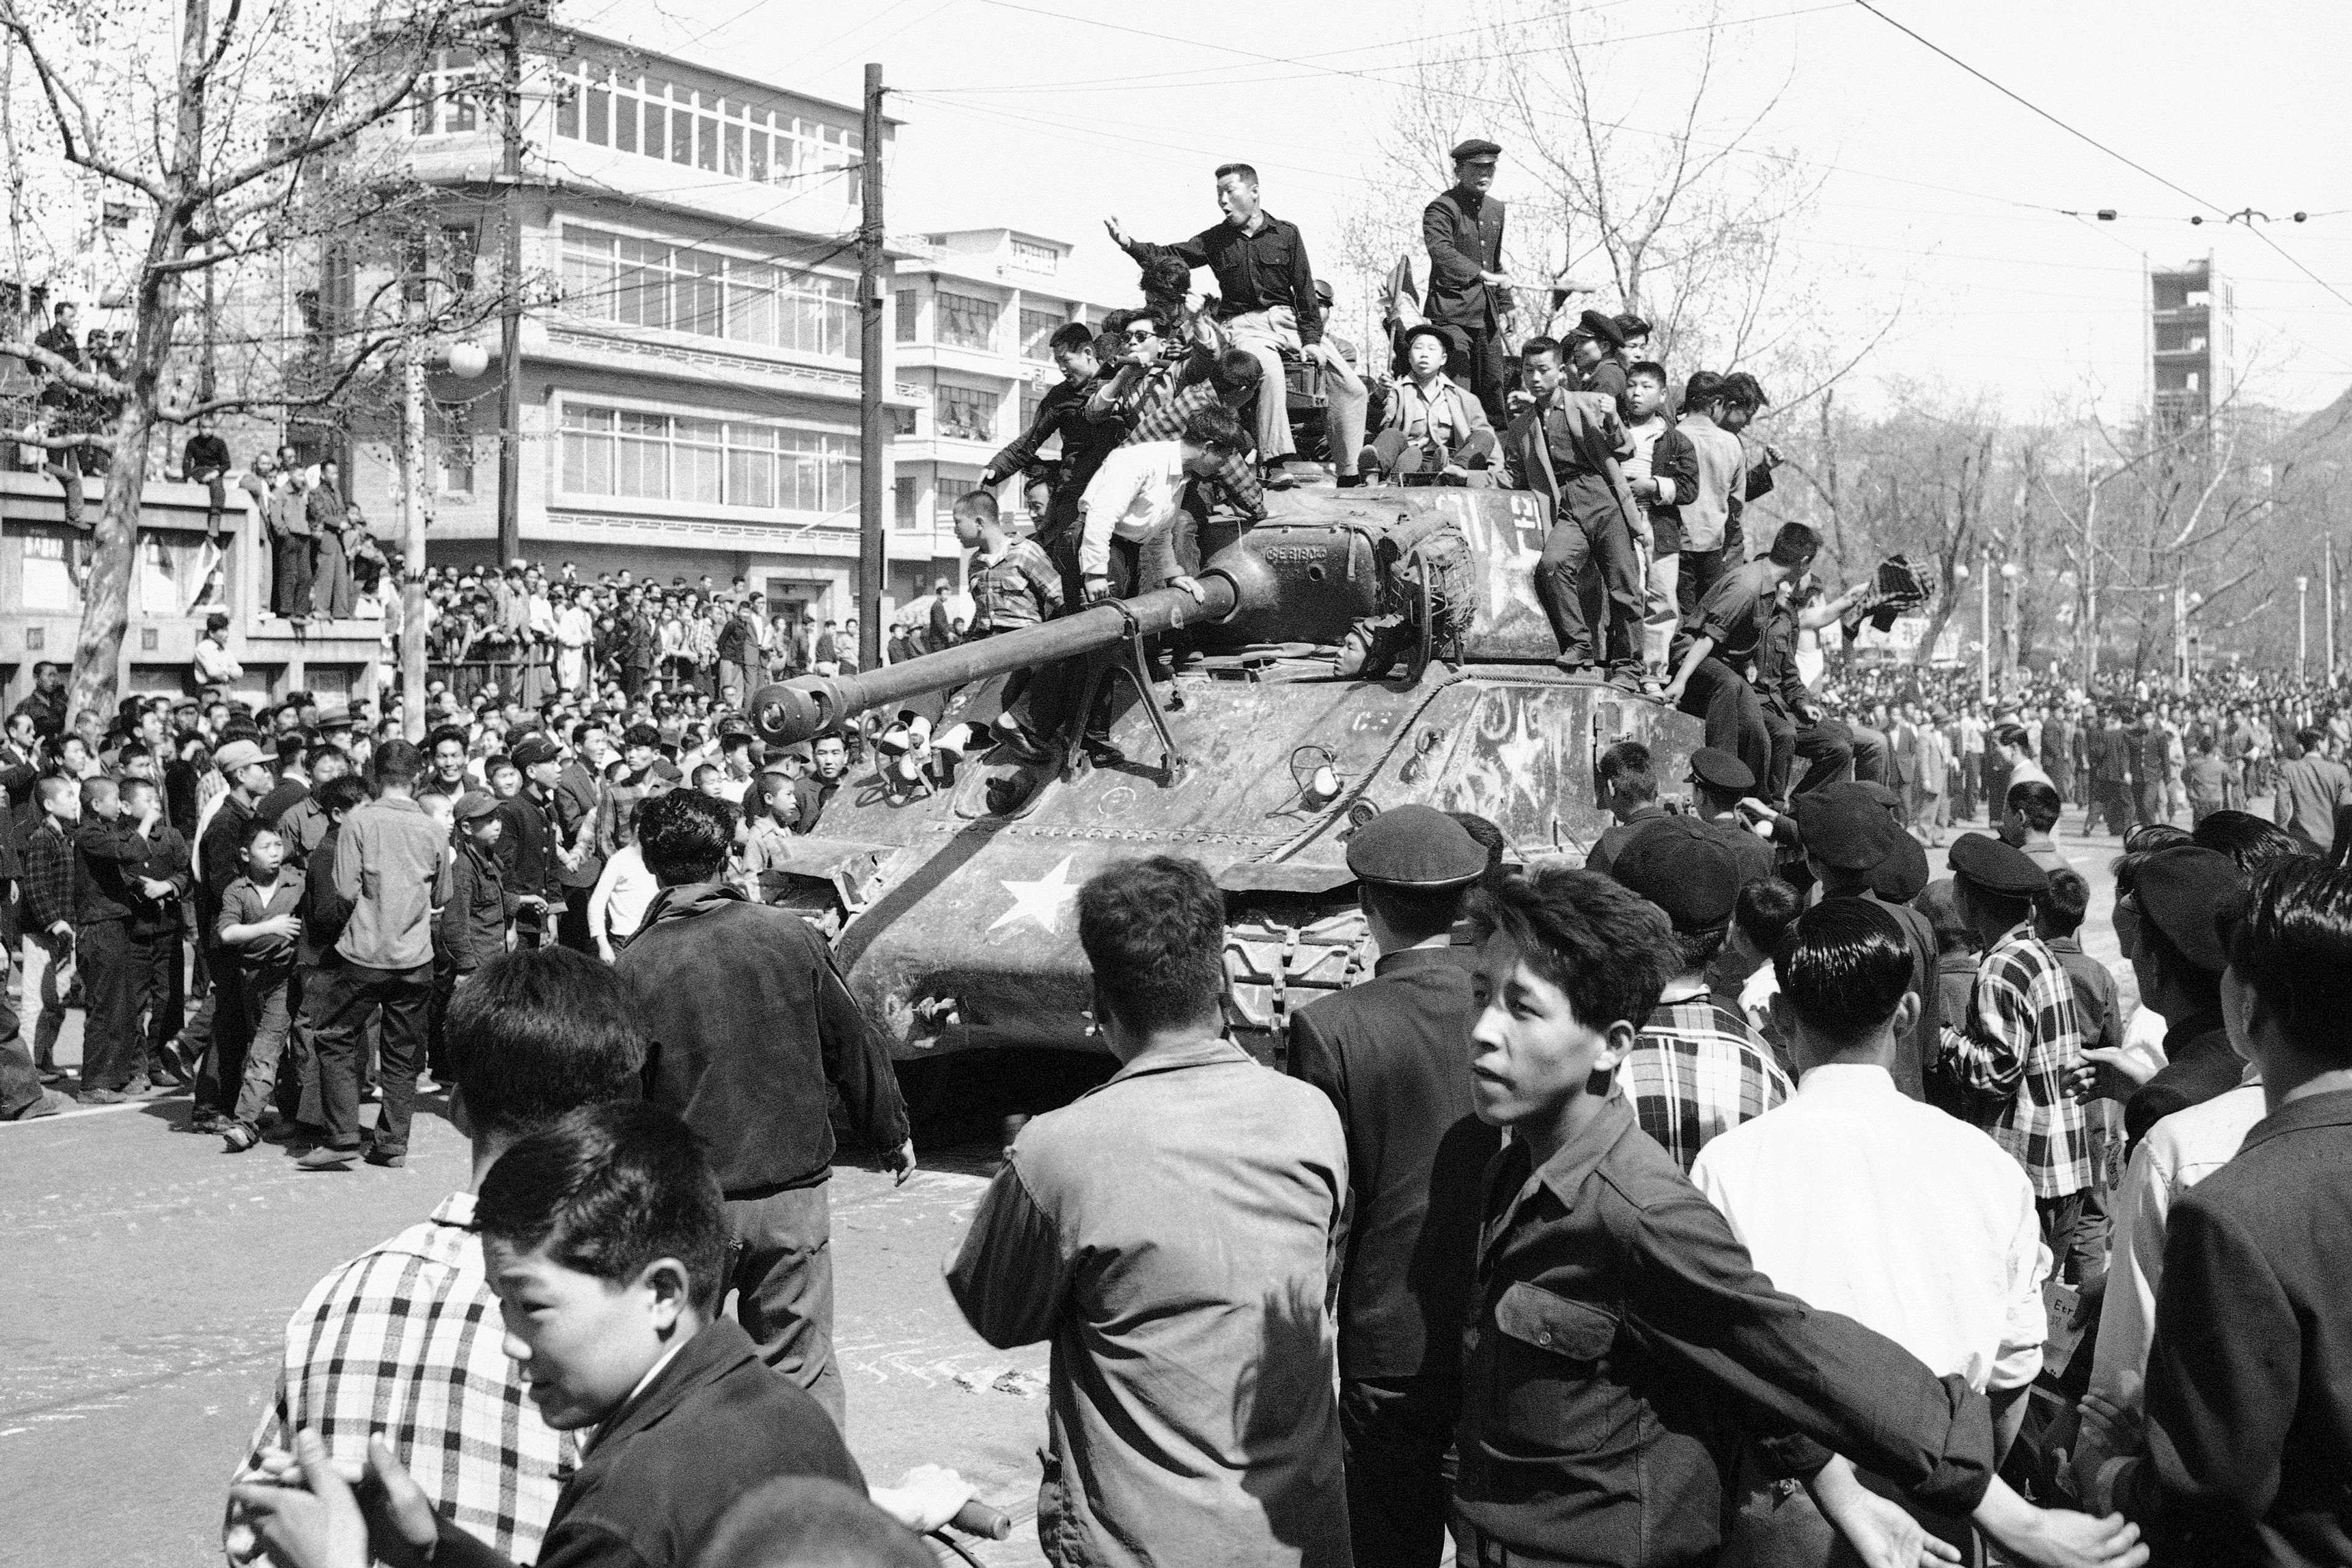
{"x": 260, "y": 918}
{"x": 606, "y": 1237}
{"x": 1663, "y": 473}
{"x": 1622, "y": 1344}
{"x": 1760, "y": 916}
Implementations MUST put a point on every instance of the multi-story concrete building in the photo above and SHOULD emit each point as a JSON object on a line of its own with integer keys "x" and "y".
{"x": 971, "y": 312}
{"x": 691, "y": 394}
{"x": 2192, "y": 313}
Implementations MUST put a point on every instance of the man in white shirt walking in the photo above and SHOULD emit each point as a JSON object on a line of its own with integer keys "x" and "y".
{"x": 1871, "y": 1205}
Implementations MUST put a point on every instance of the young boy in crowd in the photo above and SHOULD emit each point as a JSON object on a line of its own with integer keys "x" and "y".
{"x": 767, "y": 844}
{"x": 472, "y": 926}
{"x": 1663, "y": 473}
{"x": 2030, "y": 821}
{"x": 605, "y": 1238}
{"x": 1621, "y": 1345}
{"x": 259, "y": 919}
{"x": 47, "y": 913}
{"x": 1761, "y": 914}
{"x": 161, "y": 882}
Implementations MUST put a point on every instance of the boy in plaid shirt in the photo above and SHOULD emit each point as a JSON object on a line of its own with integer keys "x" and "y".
{"x": 2018, "y": 1048}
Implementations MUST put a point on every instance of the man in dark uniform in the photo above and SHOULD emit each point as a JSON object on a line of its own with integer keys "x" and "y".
{"x": 1716, "y": 649}
{"x": 1718, "y": 783}
{"x": 577, "y": 793}
{"x": 1468, "y": 290}
{"x": 1388, "y": 1055}
{"x": 1594, "y": 348}
{"x": 1570, "y": 446}
{"x": 1848, "y": 836}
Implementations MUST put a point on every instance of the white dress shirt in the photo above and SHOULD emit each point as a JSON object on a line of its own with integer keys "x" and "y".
{"x": 1135, "y": 493}
{"x": 2178, "y": 1151}
{"x": 1861, "y": 1201}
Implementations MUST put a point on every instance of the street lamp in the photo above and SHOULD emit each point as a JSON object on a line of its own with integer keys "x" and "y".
{"x": 2009, "y": 574}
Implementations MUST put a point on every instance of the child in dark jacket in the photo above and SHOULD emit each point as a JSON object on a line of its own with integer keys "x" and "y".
{"x": 260, "y": 919}
{"x": 472, "y": 926}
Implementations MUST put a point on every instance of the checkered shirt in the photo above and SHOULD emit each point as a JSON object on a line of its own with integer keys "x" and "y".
{"x": 1019, "y": 588}
{"x": 49, "y": 882}
{"x": 2022, "y": 1037}
{"x": 1697, "y": 1069}
{"x": 1161, "y": 418}
{"x": 406, "y": 1340}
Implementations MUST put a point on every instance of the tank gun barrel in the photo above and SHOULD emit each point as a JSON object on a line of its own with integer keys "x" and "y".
{"x": 810, "y": 705}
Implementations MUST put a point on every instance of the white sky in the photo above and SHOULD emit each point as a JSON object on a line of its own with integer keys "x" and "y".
{"x": 1936, "y": 184}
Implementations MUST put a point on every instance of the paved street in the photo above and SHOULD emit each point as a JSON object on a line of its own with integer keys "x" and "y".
{"x": 148, "y": 1275}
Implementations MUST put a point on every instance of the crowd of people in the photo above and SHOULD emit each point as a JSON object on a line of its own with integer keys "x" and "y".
{"x": 1707, "y": 1201}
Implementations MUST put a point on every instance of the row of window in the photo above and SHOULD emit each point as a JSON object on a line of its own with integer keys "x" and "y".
{"x": 969, "y": 322}
{"x": 654, "y": 117}
{"x": 651, "y": 283}
{"x": 631, "y": 454}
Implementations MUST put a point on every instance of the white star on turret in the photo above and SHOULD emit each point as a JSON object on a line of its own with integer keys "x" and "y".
{"x": 1042, "y": 900}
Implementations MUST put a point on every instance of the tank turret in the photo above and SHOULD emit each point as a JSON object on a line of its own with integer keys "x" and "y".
{"x": 1357, "y": 650}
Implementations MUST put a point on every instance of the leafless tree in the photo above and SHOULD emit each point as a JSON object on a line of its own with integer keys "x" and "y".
{"x": 245, "y": 138}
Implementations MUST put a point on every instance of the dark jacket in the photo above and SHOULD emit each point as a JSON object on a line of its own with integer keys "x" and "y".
{"x": 1621, "y": 1344}
{"x": 2198, "y": 1066}
{"x": 112, "y": 857}
{"x": 712, "y": 1426}
{"x": 526, "y": 848}
{"x": 2250, "y": 1377}
{"x": 576, "y": 802}
{"x": 1388, "y": 1053}
{"x": 218, "y": 858}
{"x": 205, "y": 452}
{"x": 472, "y": 923}
{"x": 325, "y": 911}
{"x": 1617, "y": 834}
{"x": 748, "y": 1024}
{"x": 1254, "y": 272}
{"x": 1462, "y": 244}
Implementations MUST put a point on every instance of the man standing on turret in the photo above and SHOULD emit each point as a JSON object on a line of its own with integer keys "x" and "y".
{"x": 1468, "y": 293}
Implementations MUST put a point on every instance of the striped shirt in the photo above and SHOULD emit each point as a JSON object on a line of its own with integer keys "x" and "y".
{"x": 406, "y": 1340}
{"x": 1696, "y": 1070}
{"x": 2021, "y": 1038}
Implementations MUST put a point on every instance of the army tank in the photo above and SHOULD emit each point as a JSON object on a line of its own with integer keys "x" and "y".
{"x": 1357, "y": 650}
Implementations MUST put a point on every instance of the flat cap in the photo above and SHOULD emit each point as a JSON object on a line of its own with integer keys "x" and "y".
{"x": 1904, "y": 875}
{"x": 1845, "y": 828}
{"x": 1476, "y": 147}
{"x": 1718, "y": 769}
{"x": 1676, "y": 864}
{"x": 236, "y": 756}
{"x": 1987, "y": 863}
{"x": 533, "y": 750}
{"x": 1601, "y": 325}
{"x": 473, "y": 803}
{"x": 2179, "y": 890}
{"x": 1416, "y": 846}
{"x": 335, "y": 719}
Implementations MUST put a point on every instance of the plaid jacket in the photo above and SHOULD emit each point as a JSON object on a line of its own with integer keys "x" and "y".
{"x": 1697, "y": 1069}
{"x": 49, "y": 869}
{"x": 1019, "y": 588}
{"x": 1160, "y": 416}
{"x": 2021, "y": 1035}
{"x": 406, "y": 1340}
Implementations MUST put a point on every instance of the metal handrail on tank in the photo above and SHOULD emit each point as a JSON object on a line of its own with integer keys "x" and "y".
{"x": 811, "y": 705}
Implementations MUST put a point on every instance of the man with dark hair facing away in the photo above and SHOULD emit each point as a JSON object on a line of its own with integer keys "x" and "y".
{"x": 1862, "y": 1201}
{"x": 750, "y": 1028}
{"x": 390, "y": 865}
{"x": 1568, "y": 447}
{"x": 605, "y": 1238}
{"x": 1169, "y": 1232}
{"x": 1621, "y": 1346}
{"x": 1629, "y": 790}
{"x": 1388, "y": 1055}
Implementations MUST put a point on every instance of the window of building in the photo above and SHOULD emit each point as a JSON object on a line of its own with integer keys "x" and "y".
{"x": 964, "y": 414}
{"x": 651, "y": 283}
{"x": 910, "y": 312}
{"x": 642, "y": 456}
{"x": 453, "y": 446}
{"x": 902, "y": 421}
{"x": 659, "y": 118}
{"x": 967, "y": 321}
{"x": 1032, "y": 394}
{"x": 1037, "y": 329}
{"x": 1031, "y": 256}
{"x": 47, "y": 584}
{"x": 447, "y": 99}
{"x": 909, "y": 495}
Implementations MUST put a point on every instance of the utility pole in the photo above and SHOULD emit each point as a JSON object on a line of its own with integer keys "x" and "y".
{"x": 875, "y": 445}
{"x": 510, "y": 313}
{"x": 2302, "y": 618}
{"x": 412, "y": 533}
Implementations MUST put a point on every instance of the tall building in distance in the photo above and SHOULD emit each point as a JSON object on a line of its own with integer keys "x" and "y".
{"x": 2191, "y": 317}
{"x": 690, "y": 398}
{"x": 972, "y": 312}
